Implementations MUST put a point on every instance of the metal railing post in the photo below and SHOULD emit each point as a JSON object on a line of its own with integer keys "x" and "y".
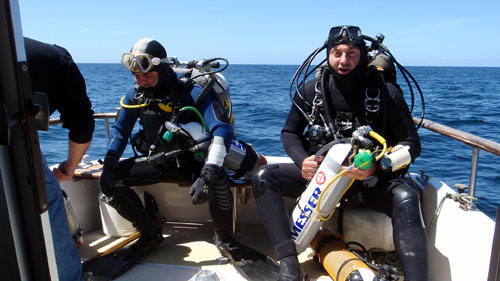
{"x": 106, "y": 120}
{"x": 473, "y": 172}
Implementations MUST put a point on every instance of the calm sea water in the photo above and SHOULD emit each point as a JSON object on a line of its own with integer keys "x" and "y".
{"x": 459, "y": 97}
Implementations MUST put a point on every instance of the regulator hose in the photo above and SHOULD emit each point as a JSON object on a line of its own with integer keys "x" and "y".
{"x": 297, "y": 82}
{"x": 195, "y": 110}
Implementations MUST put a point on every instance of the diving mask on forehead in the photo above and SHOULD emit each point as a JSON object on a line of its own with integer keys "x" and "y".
{"x": 344, "y": 34}
{"x": 140, "y": 62}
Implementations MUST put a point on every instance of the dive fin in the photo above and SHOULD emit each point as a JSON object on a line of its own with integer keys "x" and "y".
{"x": 108, "y": 266}
{"x": 250, "y": 263}
{"x": 118, "y": 259}
{"x": 114, "y": 261}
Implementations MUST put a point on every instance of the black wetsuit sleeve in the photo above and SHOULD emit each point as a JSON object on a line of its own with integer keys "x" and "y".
{"x": 292, "y": 133}
{"x": 401, "y": 129}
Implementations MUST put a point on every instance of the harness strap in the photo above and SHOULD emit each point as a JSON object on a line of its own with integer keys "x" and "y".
{"x": 204, "y": 93}
{"x": 373, "y": 94}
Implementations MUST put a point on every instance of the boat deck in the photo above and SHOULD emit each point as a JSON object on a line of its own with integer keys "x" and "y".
{"x": 189, "y": 248}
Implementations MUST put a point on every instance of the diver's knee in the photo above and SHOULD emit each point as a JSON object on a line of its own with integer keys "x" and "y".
{"x": 261, "y": 180}
{"x": 222, "y": 182}
{"x": 107, "y": 190}
{"x": 406, "y": 206}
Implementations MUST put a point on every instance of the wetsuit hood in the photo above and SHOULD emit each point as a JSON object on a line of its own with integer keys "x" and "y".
{"x": 167, "y": 78}
{"x": 150, "y": 47}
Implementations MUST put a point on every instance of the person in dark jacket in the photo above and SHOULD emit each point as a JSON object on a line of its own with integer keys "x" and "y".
{"x": 346, "y": 94}
{"x": 155, "y": 98}
{"x": 53, "y": 72}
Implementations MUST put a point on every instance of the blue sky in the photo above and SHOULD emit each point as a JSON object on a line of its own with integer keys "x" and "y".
{"x": 418, "y": 33}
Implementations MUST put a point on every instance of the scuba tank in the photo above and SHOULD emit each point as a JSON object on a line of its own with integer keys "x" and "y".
{"x": 305, "y": 220}
{"x": 243, "y": 159}
{"x": 74, "y": 227}
{"x": 341, "y": 264}
{"x": 194, "y": 137}
{"x": 201, "y": 73}
{"x": 324, "y": 191}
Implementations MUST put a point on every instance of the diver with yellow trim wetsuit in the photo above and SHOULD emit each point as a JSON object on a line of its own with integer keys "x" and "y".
{"x": 331, "y": 107}
{"x": 157, "y": 97}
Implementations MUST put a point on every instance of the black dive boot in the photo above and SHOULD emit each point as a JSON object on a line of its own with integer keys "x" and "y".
{"x": 290, "y": 269}
{"x": 151, "y": 235}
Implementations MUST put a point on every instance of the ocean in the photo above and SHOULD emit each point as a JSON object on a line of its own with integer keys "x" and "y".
{"x": 464, "y": 98}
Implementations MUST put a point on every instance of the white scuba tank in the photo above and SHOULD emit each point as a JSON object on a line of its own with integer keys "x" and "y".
{"x": 305, "y": 221}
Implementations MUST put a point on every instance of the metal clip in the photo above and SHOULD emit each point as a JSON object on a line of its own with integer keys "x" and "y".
{"x": 372, "y": 104}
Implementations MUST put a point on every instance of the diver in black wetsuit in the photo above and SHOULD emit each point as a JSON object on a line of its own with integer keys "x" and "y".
{"x": 344, "y": 91}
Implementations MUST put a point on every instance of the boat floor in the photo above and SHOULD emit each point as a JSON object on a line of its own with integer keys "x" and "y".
{"x": 189, "y": 248}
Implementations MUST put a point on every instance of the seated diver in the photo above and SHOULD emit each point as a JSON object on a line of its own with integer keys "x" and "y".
{"x": 342, "y": 87}
{"x": 157, "y": 98}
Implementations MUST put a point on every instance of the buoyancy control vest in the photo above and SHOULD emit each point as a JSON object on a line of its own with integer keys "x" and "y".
{"x": 158, "y": 111}
{"x": 152, "y": 117}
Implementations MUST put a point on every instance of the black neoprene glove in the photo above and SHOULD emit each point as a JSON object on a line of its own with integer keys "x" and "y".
{"x": 202, "y": 189}
{"x": 106, "y": 181}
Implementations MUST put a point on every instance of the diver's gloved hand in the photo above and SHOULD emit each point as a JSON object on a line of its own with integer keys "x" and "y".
{"x": 202, "y": 189}
{"x": 106, "y": 181}
{"x": 200, "y": 192}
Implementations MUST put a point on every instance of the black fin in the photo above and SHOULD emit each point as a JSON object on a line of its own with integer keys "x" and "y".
{"x": 119, "y": 261}
{"x": 111, "y": 265}
{"x": 250, "y": 263}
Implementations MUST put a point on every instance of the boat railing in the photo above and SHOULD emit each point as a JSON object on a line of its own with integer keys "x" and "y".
{"x": 105, "y": 115}
{"x": 477, "y": 143}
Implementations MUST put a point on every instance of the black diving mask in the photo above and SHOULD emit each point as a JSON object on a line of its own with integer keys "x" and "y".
{"x": 344, "y": 34}
{"x": 140, "y": 62}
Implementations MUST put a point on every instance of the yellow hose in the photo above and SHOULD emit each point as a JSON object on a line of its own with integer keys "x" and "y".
{"x": 165, "y": 107}
{"x": 382, "y": 141}
{"x": 133, "y": 105}
{"x": 324, "y": 191}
